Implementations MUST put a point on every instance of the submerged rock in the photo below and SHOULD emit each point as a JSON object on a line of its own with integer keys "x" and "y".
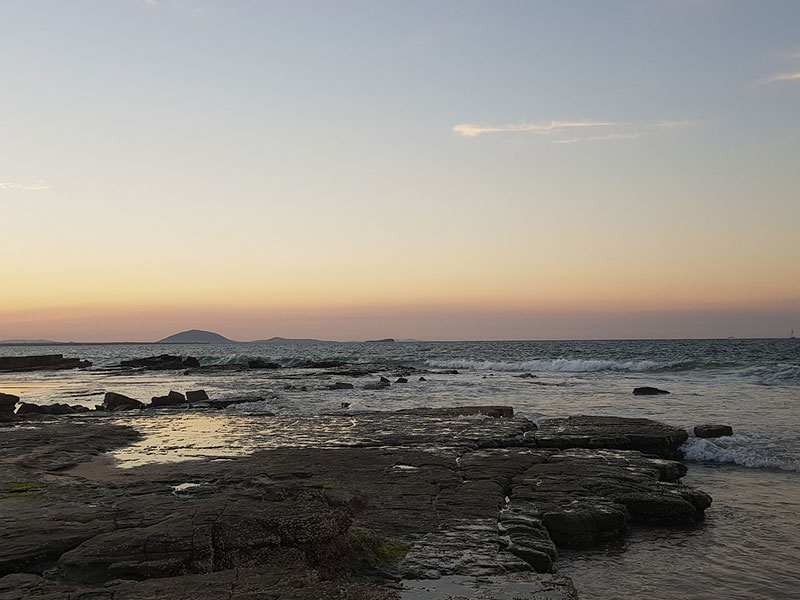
{"x": 648, "y": 391}
{"x": 712, "y": 431}
{"x": 262, "y": 364}
{"x": 341, "y": 385}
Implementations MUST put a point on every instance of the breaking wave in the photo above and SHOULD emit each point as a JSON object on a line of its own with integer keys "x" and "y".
{"x": 563, "y": 365}
{"x": 781, "y": 373}
{"x": 756, "y": 452}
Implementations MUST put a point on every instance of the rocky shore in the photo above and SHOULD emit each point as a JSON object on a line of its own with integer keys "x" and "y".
{"x": 428, "y": 503}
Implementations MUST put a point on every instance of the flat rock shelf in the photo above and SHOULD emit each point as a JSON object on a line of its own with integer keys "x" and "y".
{"x": 459, "y": 502}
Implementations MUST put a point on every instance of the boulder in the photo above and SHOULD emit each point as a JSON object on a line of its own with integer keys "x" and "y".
{"x": 171, "y": 399}
{"x": 422, "y": 379}
{"x": 401, "y": 380}
{"x": 7, "y": 403}
{"x": 648, "y": 391}
{"x": 712, "y": 431}
{"x": 196, "y": 396}
{"x": 114, "y": 401}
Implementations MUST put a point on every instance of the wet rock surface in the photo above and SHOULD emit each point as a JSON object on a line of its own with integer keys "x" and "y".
{"x": 162, "y": 362}
{"x": 113, "y": 401}
{"x": 644, "y": 435}
{"x": 647, "y": 390}
{"x": 422, "y": 503}
{"x": 712, "y": 431}
{"x": 7, "y": 404}
{"x": 49, "y": 362}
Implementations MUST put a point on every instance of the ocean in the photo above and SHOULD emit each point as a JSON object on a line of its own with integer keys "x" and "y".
{"x": 749, "y": 545}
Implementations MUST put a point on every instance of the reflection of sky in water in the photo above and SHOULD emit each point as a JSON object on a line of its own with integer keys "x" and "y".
{"x": 191, "y": 436}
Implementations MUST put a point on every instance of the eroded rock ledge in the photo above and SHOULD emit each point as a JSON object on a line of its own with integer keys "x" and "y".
{"x": 418, "y": 495}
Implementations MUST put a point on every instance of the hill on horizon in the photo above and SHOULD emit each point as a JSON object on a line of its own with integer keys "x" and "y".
{"x": 277, "y": 340}
{"x": 194, "y": 336}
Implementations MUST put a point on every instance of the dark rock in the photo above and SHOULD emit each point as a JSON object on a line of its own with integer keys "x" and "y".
{"x": 337, "y": 502}
{"x": 231, "y": 584}
{"x": 26, "y": 409}
{"x": 712, "y": 431}
{"x": 226, "y": 402}
{"x": 261, "y": 364}
{"x": 7, "y": 404}
{"x": 401, "y": 380}
{"x": 162, "y": 362}
{"x": 50, "y": 362}
{"x": 345, "y": 405}
{"x": 113, "y": 402}
{"x": 495, "y": 412}
{"x": 196, "y": 396}
{"x": 582, "y": 431}
{"x": 382, "y": 384}
{"x": 648, "y": 391}
{"x": 170, "y": 400}
{"x": 422, "y": 379}
{"x": 341, "y": 385}
{"x": 526, "y": 376}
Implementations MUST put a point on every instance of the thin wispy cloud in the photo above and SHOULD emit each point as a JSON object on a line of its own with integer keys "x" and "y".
{"x": 37, "y": 186}
{"x": 673, "y": 124}
{"x": 470, "y": 130}
{"x": 572, "y": 132}
{"x": 602, "y": 138}
{"x": 782, "y": 77}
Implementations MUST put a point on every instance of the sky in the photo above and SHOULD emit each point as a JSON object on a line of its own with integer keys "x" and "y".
{"x": 411, "y": 169}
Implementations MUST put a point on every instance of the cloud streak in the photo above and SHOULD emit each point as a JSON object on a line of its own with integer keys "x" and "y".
{"x": 28, "y": 187}
{"x": 783, "y": 77}
{"x": 470, "y": 130}
{"x": 602, "y": 138}
{"x": 571, "y": 132}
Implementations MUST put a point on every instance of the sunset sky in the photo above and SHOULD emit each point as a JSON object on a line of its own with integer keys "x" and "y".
{"x": 427, "y": 169}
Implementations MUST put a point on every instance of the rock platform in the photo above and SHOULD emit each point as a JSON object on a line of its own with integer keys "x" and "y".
{"x": 469, "y": 499}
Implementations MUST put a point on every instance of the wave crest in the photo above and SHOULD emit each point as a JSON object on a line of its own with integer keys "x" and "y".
{"x": 747, "y": 451}
{"x": 558, "y": 365}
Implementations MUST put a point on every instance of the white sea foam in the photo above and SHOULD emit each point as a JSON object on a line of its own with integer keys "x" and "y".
{"x": 756, "y": 452}
{"x": 558, "y": 365}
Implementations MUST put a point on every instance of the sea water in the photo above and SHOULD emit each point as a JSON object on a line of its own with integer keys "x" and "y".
{"x": 748, "y": 546}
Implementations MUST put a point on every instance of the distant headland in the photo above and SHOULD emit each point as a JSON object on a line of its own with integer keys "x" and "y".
{"x": 195, "y": 336}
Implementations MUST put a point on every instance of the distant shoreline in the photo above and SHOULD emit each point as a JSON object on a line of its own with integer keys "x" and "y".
{"x": 397, "y": 341}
